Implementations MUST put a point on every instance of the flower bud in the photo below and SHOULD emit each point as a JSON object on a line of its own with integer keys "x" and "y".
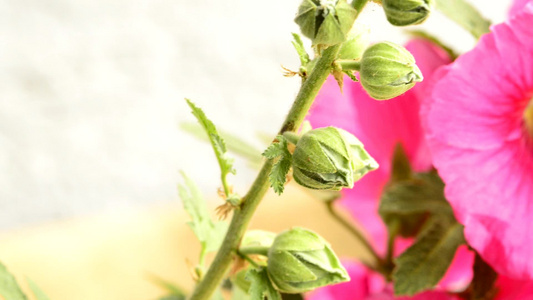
{"x": 407, "y": 12}
{"x": 388, "y": 70}
{"x": 300, "y": 261}
{"x": 330, "y": 158}
{"x": 325, "y": 22}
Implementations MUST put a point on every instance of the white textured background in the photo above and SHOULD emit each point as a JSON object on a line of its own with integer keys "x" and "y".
{"x": 91, "y": 95}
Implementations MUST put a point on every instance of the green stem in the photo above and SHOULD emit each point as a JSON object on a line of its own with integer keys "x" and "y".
{"x": 258, "y": 250}
{"x": 292, "y": 137}
{"x": 357, "y": 234}
{"x": 251, "y": 200}
{"x": 225, "y": 184}
{"x": 388, "y": 264}
{"x": 348, "y": 64}
{"x": 248, "y": 259}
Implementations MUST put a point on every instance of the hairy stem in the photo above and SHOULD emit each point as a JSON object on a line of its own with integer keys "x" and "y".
{"x": 251, "y": 200}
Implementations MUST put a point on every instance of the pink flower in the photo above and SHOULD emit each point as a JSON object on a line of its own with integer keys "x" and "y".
{"x": 482, "y": 146}
{"x": 517, "y": 6}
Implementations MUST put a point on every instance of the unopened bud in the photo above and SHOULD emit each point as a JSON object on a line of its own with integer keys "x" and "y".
{"x": 407, "y": 12}
{"x": 388, "y": 70}
{"x": 300, "y": 261}
{"x": 330, "y": 158}
{"x": 325, "y": 22}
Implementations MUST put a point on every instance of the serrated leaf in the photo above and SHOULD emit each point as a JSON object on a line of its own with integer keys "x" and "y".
{"x": 465, "y": 15}
{"x": 9, "y": 288}
{"x": 261, "y": 286}
{"x": 234, "y": 144}
{"x": 424, "y": 264}
{"x": 300, "y": 49}
{"x": 279, "y": 152}
{"x": 409, "y": 202}
{"x": 36, "y": 290}
{"x": 209, "y": 233}
{"x": 225, "y": 162}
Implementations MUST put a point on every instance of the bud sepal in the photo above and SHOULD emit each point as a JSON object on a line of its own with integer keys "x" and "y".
{"x": 325, "y": 22}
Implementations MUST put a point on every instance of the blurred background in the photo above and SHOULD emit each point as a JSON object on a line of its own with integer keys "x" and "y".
{"x": 91, "y": 101}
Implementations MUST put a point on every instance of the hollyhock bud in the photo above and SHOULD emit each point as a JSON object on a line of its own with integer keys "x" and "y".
{"x": 330, "y": 158}
{"x": 388, "y": 70}
{"x": 325, "y": 22}
{"x": 407, "y": 12}
{"x": 300, "y": 261}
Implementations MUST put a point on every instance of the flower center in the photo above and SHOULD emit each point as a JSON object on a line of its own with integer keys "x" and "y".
{"x": 528, "y": 118}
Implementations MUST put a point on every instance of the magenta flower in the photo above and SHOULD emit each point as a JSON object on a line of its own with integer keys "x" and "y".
{"x": 517, "y": 6}
{"x": 479, "y": 122}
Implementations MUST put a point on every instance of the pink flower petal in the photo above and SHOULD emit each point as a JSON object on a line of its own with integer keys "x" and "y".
{"x": 517, "y": 6}
{"x": 474, "y": 129}
{"x": 509, "y": 289}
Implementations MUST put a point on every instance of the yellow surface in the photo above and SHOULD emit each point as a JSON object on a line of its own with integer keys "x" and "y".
{"x": 110, "y": 257}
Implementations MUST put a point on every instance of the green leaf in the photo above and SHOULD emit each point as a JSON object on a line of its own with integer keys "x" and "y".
{"x": 226, "y": 163}
{"x": 482, "y": 286}
{"x": 408, "y": 203}
{"x": 36, "y": 290}
{"x": 261, "y": 286}
{"x": 423, "y": 264}
{"x": 9, "y": 288}
{"x": 279, "y": 152}
{"x": 465, "y": 15}
{"x": 299, "y": 46}
{"x": 209, "y": 233}
{"x": 233, "y": 143}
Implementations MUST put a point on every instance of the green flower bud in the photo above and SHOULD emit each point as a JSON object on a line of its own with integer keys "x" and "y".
{"x": 300, "y": 261}
{"x": 325, "y": 22}
{"x": 407, "y": 12}
{"x": 330, "y": 158}
{"x": 388, "y": 70}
